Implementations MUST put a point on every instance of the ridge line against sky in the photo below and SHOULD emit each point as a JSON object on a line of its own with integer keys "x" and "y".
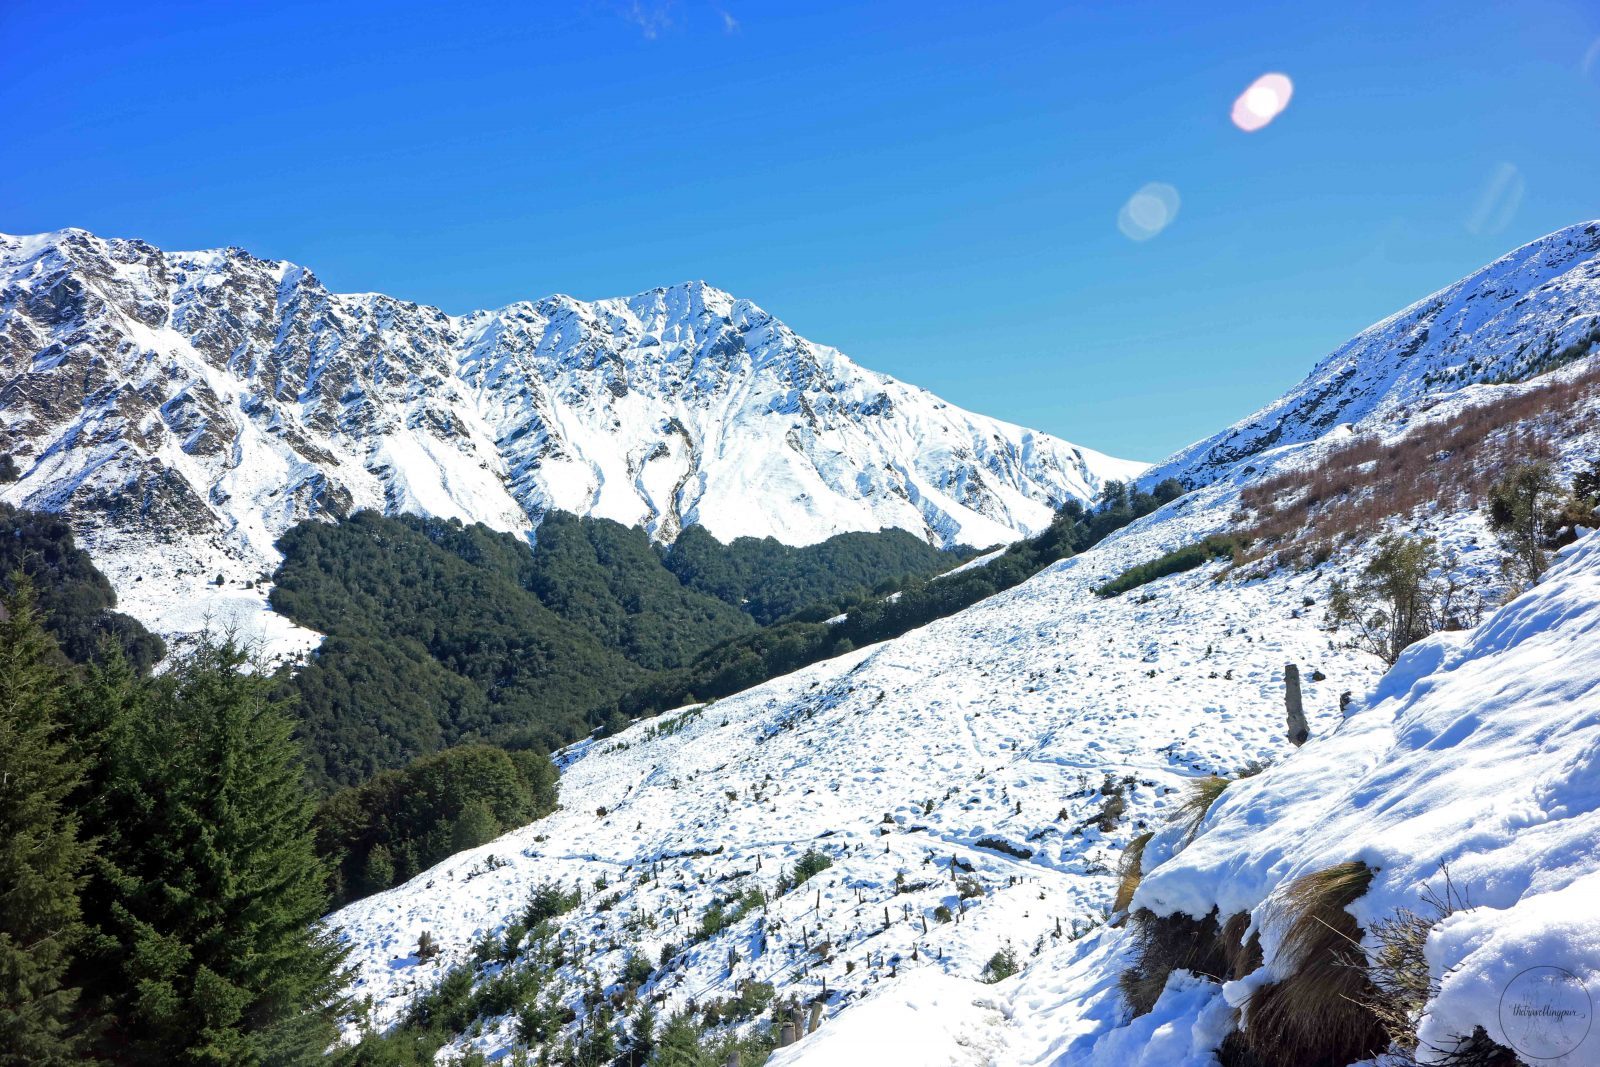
{"x": 1054, "y": 217}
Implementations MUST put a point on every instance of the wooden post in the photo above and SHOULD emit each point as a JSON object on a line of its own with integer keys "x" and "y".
{"x": 786, "y": 1035}
{"x": 733, "y": 1058}
{"x": 799, "y": 1022}
{"x": 886, "y": 916}
{"x": 1298, "y": 729}
{"x": 816, "y": 1016}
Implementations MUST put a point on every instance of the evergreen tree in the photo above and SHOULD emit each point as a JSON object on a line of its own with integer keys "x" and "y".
{"x": 378, "y": 874}
{"x": 41, "y": 854}
{"x": 216, "y": 886}
{"x": 679, "y": 1044}
{"x": 642, "y": 1035}
{"x": 597, "y": 1044}
{"x": 475, "y": 825}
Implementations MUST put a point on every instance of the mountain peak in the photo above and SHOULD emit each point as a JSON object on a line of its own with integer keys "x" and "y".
{"x": 205, "y": 401}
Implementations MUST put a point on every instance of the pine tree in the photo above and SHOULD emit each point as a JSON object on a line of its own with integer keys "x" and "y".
{"x": 641, "y": 1035}
{"x": 215, "y": 882}
{"x": 41, "y": 854}
{"x": 101, "y": 708}
{"x": 679, "y": 1044}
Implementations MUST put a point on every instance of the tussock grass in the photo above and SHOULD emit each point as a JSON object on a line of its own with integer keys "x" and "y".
{"x": 1166, "y": 943}
{"x": 1203, "y": 792}
{"x": 1130, "y": 868}
{"x": 1320, "y": 1014}
{"x": 1243, "y": 954}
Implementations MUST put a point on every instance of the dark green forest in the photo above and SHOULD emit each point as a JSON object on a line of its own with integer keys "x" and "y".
{"x": 441, "y": 633}
{"x": 157, "y": 866}
{"x": 771, "y": 580}
{"x": 73, "y": 598}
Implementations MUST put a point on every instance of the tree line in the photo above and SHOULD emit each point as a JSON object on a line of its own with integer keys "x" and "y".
{"x": 815, "y": 634}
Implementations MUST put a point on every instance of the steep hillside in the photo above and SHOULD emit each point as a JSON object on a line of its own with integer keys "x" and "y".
{"x": 1528, "y": 312}
{"x": 185, "y": 408}
{"x": 1491, "y": 892}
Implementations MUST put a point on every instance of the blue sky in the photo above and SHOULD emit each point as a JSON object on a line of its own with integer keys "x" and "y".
{"x": 934, "y": 188}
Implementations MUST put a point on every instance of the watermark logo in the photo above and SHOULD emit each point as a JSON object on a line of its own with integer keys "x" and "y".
{"x": 1545, "y": 1013}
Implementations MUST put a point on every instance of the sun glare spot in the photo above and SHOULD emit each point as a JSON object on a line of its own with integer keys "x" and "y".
{"x": 1264, "y": 101}
{"x": 1148, "y": 211}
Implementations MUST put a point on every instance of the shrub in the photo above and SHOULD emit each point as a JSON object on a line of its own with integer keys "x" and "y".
{"x": 1524, "y": 512}
{"x": 806, "y": 867}
{"x": 427, "y": 947}
{"x": 1177, "y": 561}
{"x": 1449, "y": 463}
{"x": 1405, "y": 592}
{"x": 1003, "y": 964}
{"x": 997, "y": 844}
{"x": 637, "y": 971}
{"x": 1403, "y": 983}
{"x": 548, "y": 902}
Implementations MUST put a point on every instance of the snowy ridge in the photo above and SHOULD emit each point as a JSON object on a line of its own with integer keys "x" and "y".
{"x": 187, "y": 407}
{"x": 1529, "y": 311}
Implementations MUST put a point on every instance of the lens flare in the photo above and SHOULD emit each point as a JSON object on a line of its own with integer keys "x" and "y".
{"x": 1498, "y": 202}
{"x": 1148, "y": 212}
{"x": 1264, "y": 101}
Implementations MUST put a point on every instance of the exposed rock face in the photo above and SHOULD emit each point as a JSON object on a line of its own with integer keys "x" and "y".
{"x": 166, "y": 394}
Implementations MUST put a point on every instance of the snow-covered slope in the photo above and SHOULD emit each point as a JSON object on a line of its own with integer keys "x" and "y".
{"x": 1475, "y": 760}
{"x": 1010, "y": 726}
{"x": 1529, "y": 311}
{"x": 1028, "y": 738}
{"x": 187, "y": 407}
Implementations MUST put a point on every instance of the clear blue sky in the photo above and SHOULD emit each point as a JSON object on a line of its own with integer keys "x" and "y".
{"x": 933, "y": 188}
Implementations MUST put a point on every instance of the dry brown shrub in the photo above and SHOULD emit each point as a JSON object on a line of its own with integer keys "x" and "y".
{"x": 1448, "y": 464}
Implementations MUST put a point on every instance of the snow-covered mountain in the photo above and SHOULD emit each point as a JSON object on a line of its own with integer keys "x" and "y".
{"x": 974, "y": 781}
{"x": 187, "y": 407}
{"x": 1530, "y": 311}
